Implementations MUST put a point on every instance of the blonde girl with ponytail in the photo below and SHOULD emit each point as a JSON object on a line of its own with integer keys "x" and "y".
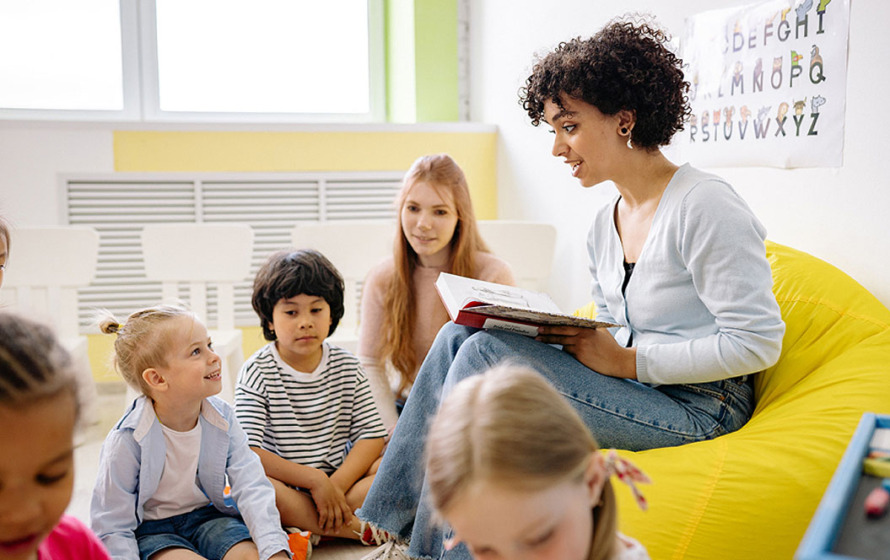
{"x": 516, "y": 473}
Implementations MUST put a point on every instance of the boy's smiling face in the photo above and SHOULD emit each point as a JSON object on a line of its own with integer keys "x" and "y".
{"x": 192, "y": 369}
{"x": 301, "y": 323}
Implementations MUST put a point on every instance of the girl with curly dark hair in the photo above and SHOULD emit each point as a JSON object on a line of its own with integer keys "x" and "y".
{"x": 677, "y": 259}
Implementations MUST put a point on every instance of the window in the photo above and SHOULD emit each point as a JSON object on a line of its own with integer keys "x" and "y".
{"x": 59, "y": 56}
{"x": 192, "y": 60}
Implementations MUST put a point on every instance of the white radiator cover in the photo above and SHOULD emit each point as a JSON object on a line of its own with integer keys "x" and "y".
{"x": 118, "y": 205}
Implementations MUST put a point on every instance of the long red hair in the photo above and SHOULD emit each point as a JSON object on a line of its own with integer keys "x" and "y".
{"x": 442, "y": 173}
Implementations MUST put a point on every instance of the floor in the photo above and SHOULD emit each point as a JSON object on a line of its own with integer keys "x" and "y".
{"x": 111, "y": 402}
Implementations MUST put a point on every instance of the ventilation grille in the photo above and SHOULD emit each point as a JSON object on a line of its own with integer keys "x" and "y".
{"x": 119, "y": 205}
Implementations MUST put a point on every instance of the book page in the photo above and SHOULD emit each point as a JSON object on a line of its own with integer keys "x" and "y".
{"x": 538, "y": 317}
{"x": 477, "y": 303}
{"x": 457, "y": 292}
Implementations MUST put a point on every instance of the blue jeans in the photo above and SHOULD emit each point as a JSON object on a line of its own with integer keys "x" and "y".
{"x": 621, "y": 413}
{"x": 205, "y": 531}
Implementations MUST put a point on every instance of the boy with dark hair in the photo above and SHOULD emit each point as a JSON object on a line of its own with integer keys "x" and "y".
{"x": 305, "y": 405}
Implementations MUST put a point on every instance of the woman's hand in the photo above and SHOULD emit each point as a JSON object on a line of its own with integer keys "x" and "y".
{"x": 595, "y": 348}
{"x": 330, "y": 502}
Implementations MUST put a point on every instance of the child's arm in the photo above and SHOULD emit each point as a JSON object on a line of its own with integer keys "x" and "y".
{"x": 288, "y": 472}
{"x": 366, "y": 430}
{"x": 253, "y": 494}
{"x": 357, "y": 462}
{"x": 369, "y": 350}
{"x": 113, "y": 504}
{"x": 330, "y": 499}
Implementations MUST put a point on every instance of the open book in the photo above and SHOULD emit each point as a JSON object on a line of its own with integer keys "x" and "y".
{"x": 480, "y": 304}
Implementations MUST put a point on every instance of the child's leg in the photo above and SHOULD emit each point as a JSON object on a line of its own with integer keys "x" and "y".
{"x": 176, "y": 554}
{"x": 246, "y": 550}
{"x": 297, "y": 509}
{"x": 355, "y": 497}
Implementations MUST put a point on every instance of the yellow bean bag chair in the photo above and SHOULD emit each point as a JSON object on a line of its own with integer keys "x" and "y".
{"x": 751, "y": 493}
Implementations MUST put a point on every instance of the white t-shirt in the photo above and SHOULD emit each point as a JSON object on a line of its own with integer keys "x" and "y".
{"x": 178, "y": 491}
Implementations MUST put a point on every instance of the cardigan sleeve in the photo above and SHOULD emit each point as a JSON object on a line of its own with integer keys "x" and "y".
{"x": 113, "y": 505}
{"x": 369, "y": 342}
{"x": 721, "y": 243}
{"x": 372, "y": 312}
{"x": 252, "y": 493}
{"x": 598, "y": 232}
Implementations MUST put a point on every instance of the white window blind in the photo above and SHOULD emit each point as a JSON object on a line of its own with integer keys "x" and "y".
{"x": 119, "y": 205}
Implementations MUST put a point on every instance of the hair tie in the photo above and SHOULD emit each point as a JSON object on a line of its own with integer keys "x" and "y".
{"x": 629, "y": 474}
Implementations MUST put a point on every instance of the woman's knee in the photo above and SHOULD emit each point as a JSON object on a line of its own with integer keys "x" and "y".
{"x": 480, "y": 351}
{"x": 487, "y": 348}
{"x": 452, "y": 335}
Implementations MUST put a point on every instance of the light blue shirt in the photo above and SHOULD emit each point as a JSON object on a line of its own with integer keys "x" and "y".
{"x": 132, "y": 460}
{"x": 699, "y": 303}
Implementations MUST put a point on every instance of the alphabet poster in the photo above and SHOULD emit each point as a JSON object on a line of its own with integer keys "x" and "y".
{"x": 768, "y": 84}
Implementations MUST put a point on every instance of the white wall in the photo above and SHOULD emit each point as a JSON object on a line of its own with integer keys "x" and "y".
{"x": 31, "y": 158}
{"x": 840, "y": 215}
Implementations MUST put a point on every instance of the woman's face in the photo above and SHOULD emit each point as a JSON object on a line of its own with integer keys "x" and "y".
{"x": 499, "y": 521}
{"x": 36, "y": 472}
{"x": 428, "y": 223}
{"x": 588, "y": 140}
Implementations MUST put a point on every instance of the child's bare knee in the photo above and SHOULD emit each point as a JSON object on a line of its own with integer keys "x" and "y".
{"x": 244, "y": 550}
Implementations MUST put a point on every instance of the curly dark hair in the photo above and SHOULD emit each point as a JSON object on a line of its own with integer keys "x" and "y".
{"x": 625, "y": 66}
{"x": 290, "y": 273}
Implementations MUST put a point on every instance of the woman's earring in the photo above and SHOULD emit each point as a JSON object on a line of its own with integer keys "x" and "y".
{"x": 624, "y": 130}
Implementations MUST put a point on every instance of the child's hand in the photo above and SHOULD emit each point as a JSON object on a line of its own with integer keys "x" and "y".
{"x": 330, "y": 501}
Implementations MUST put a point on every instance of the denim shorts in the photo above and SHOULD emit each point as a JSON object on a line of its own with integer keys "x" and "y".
{"x": 205, "y": 531}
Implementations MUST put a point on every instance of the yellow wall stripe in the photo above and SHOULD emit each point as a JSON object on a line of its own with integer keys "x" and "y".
{"x": 243, "y": 151}
{"x": 157, "y": 151}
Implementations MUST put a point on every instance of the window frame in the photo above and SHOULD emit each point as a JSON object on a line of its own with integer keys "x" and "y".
{"x": 129, "y": 82}
{"x": 141, "y": 102}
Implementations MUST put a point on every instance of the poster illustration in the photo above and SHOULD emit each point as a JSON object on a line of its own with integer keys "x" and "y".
{"x": 768, "y": 84}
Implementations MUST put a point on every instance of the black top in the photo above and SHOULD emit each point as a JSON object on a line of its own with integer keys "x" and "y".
{"x": 628, "y": 271}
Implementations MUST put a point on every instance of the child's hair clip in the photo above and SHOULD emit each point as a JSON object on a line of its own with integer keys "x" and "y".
{"x": 629, "y": 474}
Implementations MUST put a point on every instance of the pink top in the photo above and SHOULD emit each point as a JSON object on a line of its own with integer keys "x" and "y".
{"x": 71, "y": 540}
{"x": 431, "y": 314}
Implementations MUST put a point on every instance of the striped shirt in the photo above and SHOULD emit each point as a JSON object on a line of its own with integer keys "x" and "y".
{"x": 307, "y": 418}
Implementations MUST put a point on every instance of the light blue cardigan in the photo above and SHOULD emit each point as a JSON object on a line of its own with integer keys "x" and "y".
{"x": 132, "y": 460}
{"x": 700, "y": 301}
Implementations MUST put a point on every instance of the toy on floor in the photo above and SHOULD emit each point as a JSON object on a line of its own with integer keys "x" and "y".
{"x": 878, "y": 499}
{"x": 300, "y": 543}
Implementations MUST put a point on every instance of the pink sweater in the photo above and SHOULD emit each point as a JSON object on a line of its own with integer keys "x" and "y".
{"x": 431, "y": 315}
{"x": 71, "y": 540}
